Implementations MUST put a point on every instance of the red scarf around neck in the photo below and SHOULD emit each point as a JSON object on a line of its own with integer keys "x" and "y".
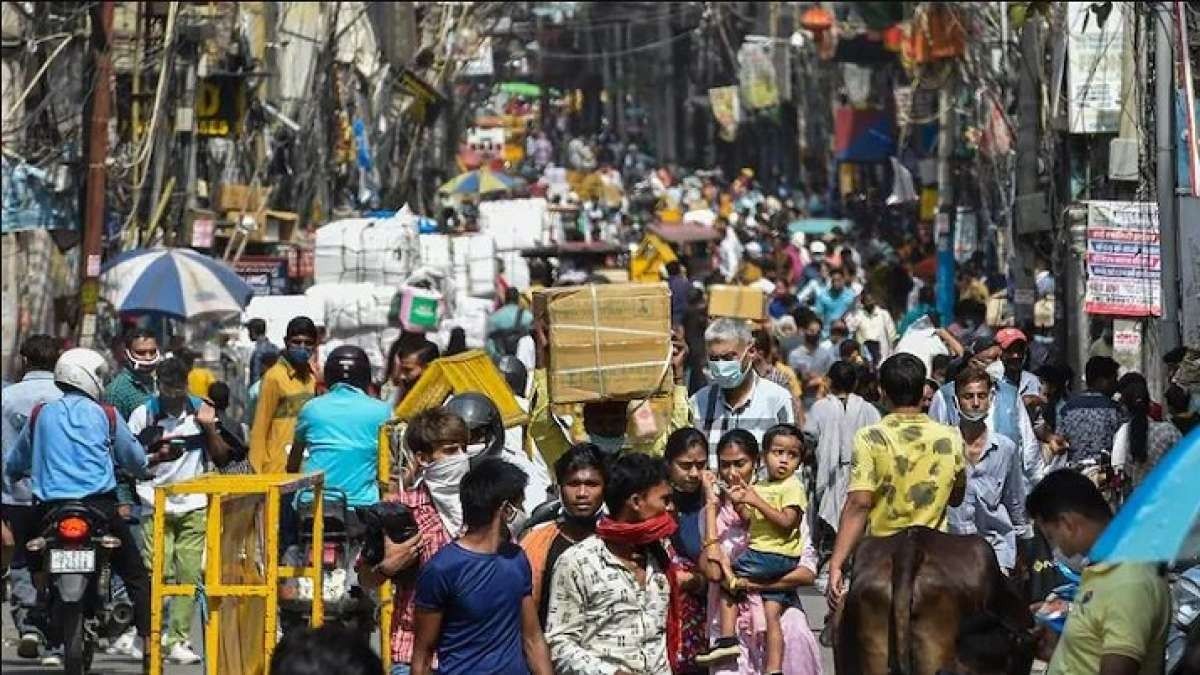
{"x": 645, "y": 533}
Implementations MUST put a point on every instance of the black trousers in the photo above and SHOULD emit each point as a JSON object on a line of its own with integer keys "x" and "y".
{"x": 126, "y": 561}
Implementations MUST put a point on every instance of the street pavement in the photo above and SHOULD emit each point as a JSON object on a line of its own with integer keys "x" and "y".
{"x": 810, "y": 598}
{"x": 103, "y": 663}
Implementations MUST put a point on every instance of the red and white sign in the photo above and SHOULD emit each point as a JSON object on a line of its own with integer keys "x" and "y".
{"x": 1124, "y": 261}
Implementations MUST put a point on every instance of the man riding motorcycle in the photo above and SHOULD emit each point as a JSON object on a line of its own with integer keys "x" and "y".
{"x": 69, "y": 449}
{"x": 337, "y": 433}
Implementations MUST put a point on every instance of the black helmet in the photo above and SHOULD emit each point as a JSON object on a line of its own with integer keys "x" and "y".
{"x": 482, "y": 419}
{"x": 515, "y": 373}
{"x": 348, "y": 364}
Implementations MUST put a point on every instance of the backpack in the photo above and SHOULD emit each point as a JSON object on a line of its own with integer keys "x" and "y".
{"x": 507, "y": 339}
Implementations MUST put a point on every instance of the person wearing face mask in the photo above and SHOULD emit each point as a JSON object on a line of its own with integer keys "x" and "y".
{"x": 687, "y": 457}
{"x": 581, "y": 475}
{"x": 286, "y": 387}
{"x": 134, "y": 385}
{"x": 615, "y": 600}
{"x": 873, "y": 327}
{"x": 811, "y": 358}
{"x": 1015, "y": 348}
{"x": 487, "y": 438}
{"x": 435, "y": 442}
{"x": 738, "y": 398}
{"x": 1118, "y": 622}
{"x": 474, "y": 600}
{"x": 187, "y": 426}
{"x": 993, "y": 507}
{"x": 1007, "y": 414}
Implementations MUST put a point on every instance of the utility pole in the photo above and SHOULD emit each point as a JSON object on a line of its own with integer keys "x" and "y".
{"x": 97, "y": 171}
{"x": 1029, "y": 95}
{"x": 944, "y": 223}
{"x": 1164, "y": 145}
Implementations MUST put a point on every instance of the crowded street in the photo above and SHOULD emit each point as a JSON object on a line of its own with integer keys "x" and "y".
{"x": 601, "y": 338}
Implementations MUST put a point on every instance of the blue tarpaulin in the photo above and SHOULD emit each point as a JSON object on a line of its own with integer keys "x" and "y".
{"x": 30, "y": 202}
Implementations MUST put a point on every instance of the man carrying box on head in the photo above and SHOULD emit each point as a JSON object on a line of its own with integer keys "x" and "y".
{"x": 605, "y": 416}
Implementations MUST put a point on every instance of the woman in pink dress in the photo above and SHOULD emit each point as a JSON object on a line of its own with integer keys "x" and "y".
{"x": 801, "y": 652}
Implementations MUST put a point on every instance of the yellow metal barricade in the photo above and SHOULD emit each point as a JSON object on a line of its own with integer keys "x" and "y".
{"x": 388, "y": 435}
{"x": 241, "y": 567}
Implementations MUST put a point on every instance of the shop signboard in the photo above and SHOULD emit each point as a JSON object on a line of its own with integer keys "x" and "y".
{"x": 1095, "y": 53}
{"x": 267, "y": 275}
{"x": 1124, "y": 264}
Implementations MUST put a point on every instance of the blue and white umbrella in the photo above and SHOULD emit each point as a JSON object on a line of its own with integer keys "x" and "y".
{"x": 175, "y": 282}
{"x": 1160, "y": 522}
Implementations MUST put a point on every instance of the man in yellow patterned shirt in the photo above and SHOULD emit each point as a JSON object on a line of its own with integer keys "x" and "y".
{"x": 906, "y": 470}
{"x": 286, "y": 387}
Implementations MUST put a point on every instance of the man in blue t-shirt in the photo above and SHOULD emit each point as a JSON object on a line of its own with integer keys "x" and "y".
{"x": 340, "y": 430}
{"x": 474, "y": 601}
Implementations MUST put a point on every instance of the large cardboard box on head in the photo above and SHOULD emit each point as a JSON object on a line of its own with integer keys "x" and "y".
{"x": 607, "y": 341}
{"x": 738, "y": 302}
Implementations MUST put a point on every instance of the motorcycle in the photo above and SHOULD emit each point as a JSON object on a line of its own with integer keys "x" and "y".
{"x": 75, "y": 548}
{"x": 346, "y": 602}
{"x": 1111, "y": 481}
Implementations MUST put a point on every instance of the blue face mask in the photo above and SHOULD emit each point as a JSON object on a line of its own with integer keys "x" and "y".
{"x": 297, "y": 355}
{"x": 727, "y": 374}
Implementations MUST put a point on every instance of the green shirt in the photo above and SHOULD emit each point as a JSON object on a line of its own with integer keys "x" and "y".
{"x": 127, "y": 392}
{"x": 1118, "y": 609}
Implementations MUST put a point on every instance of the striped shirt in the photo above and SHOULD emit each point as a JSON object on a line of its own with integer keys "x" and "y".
{"x": 429, "y": 524}
{"x": 767, "y": 405}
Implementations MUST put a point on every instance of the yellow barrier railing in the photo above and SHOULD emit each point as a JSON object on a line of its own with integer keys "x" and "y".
{"x": 233, "y": 640}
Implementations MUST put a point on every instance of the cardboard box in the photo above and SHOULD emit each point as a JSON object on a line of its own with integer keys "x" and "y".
{"x": 607, "y": 341}
{"x": 237, "y": 197}
{"x": 738, "y": 302}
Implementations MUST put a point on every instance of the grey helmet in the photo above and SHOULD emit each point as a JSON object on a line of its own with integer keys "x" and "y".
{"x": 515, "y": 373}
{"x": 482, "y": 418}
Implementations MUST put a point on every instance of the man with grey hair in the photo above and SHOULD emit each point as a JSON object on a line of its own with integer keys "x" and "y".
{"x": 737, "y": 398}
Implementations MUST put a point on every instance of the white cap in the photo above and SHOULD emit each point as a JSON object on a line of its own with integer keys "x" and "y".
{"x": 798, "y": 240}
{"x": 817, "y": 248}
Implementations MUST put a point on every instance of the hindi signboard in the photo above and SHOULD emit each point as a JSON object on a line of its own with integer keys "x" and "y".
{"x": 1124, "y": 263}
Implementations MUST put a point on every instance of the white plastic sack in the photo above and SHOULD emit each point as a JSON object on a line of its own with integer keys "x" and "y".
{"x": 358, "y": 250}
{"x": 513, "y": 223}
{"x": 921, "y": 341}
{"x": 278, "y": 310}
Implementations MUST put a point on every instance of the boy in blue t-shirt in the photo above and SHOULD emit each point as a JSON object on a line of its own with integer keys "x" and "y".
{"x": 474, "y": 600}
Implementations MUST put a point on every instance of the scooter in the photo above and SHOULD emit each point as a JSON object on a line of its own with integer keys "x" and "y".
{"x": 75, "y": 549}
{"x": 346, "y": 602}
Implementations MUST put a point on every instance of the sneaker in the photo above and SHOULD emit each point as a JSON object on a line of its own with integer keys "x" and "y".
{"x": 29, "y": 646}
{"x": 181, "y": 653}
{"x": 126, "y": 645}
{"x": 723, "y": 648}
{"x": 53, "y": 658}
{"x": 122, "y": 644}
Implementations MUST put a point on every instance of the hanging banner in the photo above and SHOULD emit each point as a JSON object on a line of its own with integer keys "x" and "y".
{"x": 1124, "y": 264}
{"x": 1095, "y": 53}
{"x": 726, "y": 110}
{"x": 756, "y": 75}
{"x": 267, "y": 275}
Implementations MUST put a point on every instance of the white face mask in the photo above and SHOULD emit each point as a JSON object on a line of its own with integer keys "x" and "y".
{"x": 442, "y": 479}
{"x": 143, "y": 366}
{"x": 515, "y": 519}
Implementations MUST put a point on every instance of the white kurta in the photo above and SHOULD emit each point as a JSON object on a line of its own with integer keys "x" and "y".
{"x": 834, "y": 424}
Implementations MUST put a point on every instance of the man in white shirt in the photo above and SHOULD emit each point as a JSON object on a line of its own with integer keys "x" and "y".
{"x": 188, "y": 426}
{"x": 738, "y": 398}
{"x": 871, "y": 323}
{"x": 730, "y": 251}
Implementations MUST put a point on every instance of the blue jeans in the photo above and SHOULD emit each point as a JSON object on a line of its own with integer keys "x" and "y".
{"x": 403, "y": 669}
{"x": 765, "y": 567}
